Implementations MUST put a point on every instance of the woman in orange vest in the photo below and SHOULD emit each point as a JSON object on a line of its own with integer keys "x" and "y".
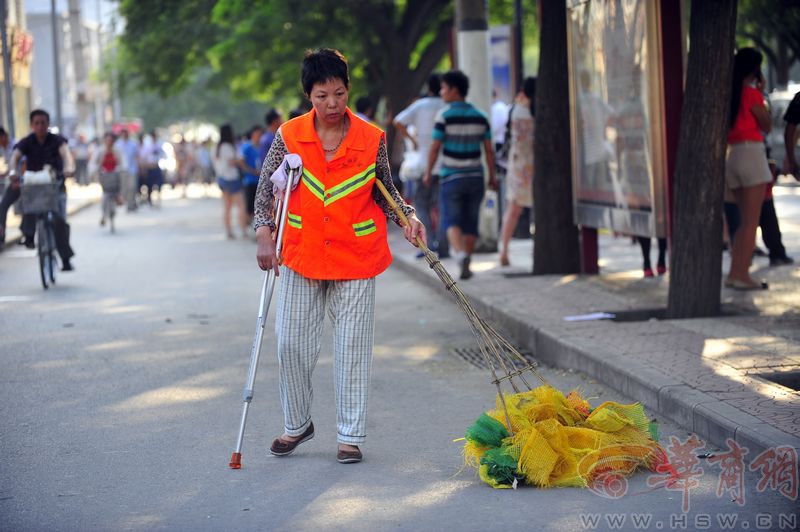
{"x": 334, "y": 245}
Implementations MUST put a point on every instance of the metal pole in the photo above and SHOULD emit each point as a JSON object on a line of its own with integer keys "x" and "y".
{"x": 115, "y": 98}
{"x": 100, "y": 118}
{"x": 56, "y": 68}
{"x": 79, "y": 63}
{"x": 9, "y": 86}
{"x": 518, "y": 41}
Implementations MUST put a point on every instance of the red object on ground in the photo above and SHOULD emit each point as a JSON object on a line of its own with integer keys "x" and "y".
{"x": 236, "y": 461}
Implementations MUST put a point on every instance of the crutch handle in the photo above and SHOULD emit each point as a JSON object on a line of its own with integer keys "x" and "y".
{"x": 399, "y": 212}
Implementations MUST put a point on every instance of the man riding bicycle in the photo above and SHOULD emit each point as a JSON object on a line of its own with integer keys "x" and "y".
{"x": 42, "y": 148}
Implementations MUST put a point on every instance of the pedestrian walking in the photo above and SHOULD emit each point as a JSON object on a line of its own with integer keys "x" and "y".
{"x": 107, "y": 165}
{"x": 459, "y": 132}
{"x": 9, "y": 194}
{"x": 421, "y": 115}
{"x": 227, "y": 165}
{"x": 334, "y": 245}
{"x": 205, "y": 164}
{"x": 249, "y": 151}
{"x": 661, "y": 266}
{"x": 81, "y": 154}
{"x": 746, "y": 169}
{"x": 150, "y": 155}
{"x": 519, "y": 173}
{"x": 129, "y": 149}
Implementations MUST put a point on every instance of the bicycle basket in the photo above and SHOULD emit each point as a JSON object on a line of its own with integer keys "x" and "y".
{"x": 39, "y": 199}
{"x": 110, "y": 181}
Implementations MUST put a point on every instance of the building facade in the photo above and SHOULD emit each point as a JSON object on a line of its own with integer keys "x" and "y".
{"x": 83, "y": 98}
{"x": 20, "y": 46}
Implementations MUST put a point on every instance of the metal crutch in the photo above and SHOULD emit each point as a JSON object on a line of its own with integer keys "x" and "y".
{"x": 267, "y": 287}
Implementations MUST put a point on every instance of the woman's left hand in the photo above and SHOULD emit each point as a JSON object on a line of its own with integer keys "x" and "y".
{"x": 415, "y": 229}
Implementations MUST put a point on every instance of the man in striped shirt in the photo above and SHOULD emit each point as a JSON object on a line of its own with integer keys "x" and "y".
{"x": 459, "y": 132}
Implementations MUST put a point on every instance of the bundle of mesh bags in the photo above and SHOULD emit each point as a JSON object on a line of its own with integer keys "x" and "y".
{"x": 560, "y": 440}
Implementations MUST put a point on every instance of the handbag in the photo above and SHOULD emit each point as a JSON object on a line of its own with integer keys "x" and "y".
{"x": 411, "y": 169}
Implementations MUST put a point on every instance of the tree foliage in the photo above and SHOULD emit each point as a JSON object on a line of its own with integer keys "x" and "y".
{"x": 773, "y": 26}
{"x": 254, "y": 49}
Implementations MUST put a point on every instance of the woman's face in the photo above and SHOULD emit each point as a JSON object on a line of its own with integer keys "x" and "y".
{"x": 329, "y": 100}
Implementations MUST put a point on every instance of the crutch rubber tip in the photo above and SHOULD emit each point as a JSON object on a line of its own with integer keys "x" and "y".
{"x": 236, "y": 461}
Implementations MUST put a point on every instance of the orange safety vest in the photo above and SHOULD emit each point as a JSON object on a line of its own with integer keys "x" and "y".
{"x": 335, "y": 230}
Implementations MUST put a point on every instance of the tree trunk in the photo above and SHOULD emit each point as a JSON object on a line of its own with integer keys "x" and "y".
{"x": 556, "y": 247}
{"x": 696, "y": 258}
{"x": 782, "y": 65}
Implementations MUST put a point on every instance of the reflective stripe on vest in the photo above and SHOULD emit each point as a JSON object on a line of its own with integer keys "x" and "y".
{"x": 294, "y": 220}
{"x": 335, "y": 230}
{"x": 342, "y": 189}
{"x": 365, "y": 228}
{"x": 313, "y": 184}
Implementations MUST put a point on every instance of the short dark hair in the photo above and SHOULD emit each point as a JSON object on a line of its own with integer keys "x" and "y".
{"x": 39, "y": 112}
{"x": 3, "y": 131}
{"x": 253, "y": 130}
{"x": 321, "y": 65}
{"x": 363, "y": 104}
{"x": 434, "y": 83}
{"x": 457, "y": 79}
{"x": 271, "y": 116}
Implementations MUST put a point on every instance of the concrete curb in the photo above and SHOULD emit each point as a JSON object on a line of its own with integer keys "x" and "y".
{"x": 668, "y": 397}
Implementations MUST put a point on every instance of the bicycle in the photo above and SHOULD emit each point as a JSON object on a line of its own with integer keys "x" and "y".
{"x": 42, "y": 200}
{"x": 110, "y": 181}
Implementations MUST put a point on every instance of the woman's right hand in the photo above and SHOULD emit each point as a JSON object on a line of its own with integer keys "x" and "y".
{"x": 265, "y": 252}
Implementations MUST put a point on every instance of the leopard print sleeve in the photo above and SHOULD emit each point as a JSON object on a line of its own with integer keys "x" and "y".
{"x": 384, "y": 173}
{"x": 265, "y": 200}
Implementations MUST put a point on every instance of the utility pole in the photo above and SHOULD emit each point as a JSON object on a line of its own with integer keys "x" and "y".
{"x": 8, "y": 82}
{"x": 474, "y": 60}
{"x": 56, "y": 67}
{"x": 78, "y": 61}
{"x": 100, "y": 93}
{"x": 473, "y": 51}
{"x": 518, "y": 42}
{"x": 115, "y": 97}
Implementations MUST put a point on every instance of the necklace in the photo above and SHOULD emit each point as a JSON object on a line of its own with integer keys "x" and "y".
{"x": 341, "y": 138}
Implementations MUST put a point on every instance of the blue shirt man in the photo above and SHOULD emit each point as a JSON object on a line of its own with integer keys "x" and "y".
{"x": 273, "y": 120}
{"x": 251, "y": 155}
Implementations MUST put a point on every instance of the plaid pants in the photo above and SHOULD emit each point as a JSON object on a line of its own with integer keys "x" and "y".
{"x": 299, "y": 323}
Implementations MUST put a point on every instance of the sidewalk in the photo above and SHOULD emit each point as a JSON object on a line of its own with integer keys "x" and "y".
{"x": 707, "y": 375}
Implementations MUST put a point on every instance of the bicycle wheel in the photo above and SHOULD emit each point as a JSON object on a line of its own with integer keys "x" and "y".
{"x": 52, "y": 260}
{"x": 42, "y": 249}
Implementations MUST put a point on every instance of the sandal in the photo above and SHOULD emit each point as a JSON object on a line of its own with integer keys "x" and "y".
{"x": 744, "y": 286}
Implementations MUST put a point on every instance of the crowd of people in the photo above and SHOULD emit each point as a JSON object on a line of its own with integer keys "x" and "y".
{"x": 447, "y": 141}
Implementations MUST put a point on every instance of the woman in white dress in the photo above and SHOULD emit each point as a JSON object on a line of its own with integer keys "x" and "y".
{"x": 519, "y": 177}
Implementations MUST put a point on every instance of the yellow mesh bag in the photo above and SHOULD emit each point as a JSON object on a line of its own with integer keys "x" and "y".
{"x": 559, "y": 441}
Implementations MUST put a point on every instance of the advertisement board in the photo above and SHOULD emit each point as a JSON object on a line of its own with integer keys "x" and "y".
{"x": 616, "y": 113}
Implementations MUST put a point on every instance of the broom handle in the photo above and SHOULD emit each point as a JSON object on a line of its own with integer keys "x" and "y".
{"x": 396, "y": 208}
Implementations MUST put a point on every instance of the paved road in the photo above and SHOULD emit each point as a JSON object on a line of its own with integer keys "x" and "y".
{"x": 120, "y": 398}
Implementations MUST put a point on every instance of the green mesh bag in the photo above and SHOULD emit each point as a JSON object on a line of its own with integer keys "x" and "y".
{"x": 487, "y": 432}
{"x": 500, "y": 466}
